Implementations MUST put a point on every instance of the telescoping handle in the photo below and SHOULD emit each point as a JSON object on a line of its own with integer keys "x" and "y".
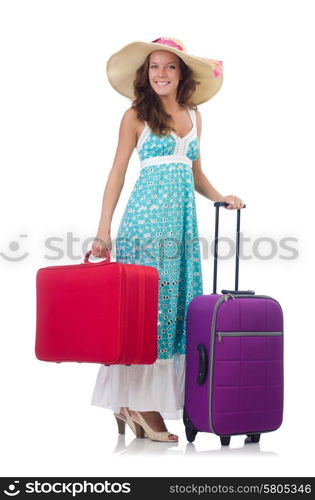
{"x": 236, "y": 291}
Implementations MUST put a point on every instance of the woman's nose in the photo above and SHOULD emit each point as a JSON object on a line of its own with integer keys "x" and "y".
{"x": 162, "y": 73}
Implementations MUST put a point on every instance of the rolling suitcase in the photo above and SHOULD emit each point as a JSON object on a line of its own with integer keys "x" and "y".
{"x": 234, "y": 362}
{"x": 104, "y": 312}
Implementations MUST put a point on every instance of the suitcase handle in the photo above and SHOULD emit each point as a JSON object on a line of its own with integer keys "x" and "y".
{"x": 87, "y": 255}
{"x": 217, "y": 205}
{"x": 238, "y": 292}
{"x": 203, "y": 364}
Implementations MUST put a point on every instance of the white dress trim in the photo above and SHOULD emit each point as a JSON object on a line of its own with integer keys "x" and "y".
{"x": 165, "y": 160}
{"x": 182, "y": 143}
{"x": 157, "y": 387}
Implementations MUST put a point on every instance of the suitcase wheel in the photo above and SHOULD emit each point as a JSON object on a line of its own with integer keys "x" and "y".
{"x": 190, "y": 434}
{"x": 225, "y": 440}
{"x": 252, "y": 438}
{"x": 190, "y": 430}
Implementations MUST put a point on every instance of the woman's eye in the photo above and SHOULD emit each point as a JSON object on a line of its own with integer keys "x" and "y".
{"x": 171, "y": 66}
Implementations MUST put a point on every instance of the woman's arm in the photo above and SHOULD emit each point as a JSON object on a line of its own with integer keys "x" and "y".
{"x": 126, "y": 143}
{"x": 204, "y": 186}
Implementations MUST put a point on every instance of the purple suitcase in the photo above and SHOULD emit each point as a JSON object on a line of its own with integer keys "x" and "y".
{"x": 234, "y": 362}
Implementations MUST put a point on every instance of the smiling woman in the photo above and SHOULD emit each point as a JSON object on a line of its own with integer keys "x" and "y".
{"x": 159, "y": 225}
{"x": 164, "y": 76}
{"x": 164, "y": 72}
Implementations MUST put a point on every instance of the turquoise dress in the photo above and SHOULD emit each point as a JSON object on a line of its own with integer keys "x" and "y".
{"x": 159, "y": 228}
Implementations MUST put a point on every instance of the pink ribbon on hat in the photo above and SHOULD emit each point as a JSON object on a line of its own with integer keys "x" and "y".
{"x": 167, "y": 41}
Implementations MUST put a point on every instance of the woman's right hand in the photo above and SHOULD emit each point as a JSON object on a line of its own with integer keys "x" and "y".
{"x": 100, "y": 245}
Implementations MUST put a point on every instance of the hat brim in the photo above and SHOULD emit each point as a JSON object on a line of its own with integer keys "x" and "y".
{"x": 122, "y": 65}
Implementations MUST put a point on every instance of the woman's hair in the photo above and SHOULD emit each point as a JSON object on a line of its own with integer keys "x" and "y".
{"x": 147, "y": 103}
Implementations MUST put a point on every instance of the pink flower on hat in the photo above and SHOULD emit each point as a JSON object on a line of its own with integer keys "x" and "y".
{"x": 217, "y": 71}
{"x": 217, "y": 66}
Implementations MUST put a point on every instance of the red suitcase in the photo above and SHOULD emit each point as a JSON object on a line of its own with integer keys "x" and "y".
{"x": 104, "y": 312}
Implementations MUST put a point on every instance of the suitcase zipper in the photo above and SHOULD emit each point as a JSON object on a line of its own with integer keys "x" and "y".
{"x": 216, "y": 307}
{"x": 227, "y": 297}
{"x": 245, "y": 334}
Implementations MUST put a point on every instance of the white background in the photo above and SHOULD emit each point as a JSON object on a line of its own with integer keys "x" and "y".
{"x": 59, "y": 127}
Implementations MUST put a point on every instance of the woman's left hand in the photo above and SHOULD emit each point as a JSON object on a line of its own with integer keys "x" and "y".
{"x": 233, "y": 201}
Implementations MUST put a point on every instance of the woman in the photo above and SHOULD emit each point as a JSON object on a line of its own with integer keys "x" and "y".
{"x": 163, "y": 123}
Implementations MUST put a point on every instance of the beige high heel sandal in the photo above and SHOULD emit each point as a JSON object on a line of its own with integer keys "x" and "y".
{"x": 144, "y": 430}
{"x": 122, "y": 420}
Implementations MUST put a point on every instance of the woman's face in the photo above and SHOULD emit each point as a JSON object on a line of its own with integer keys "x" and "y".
{"x": 164, "y": 72}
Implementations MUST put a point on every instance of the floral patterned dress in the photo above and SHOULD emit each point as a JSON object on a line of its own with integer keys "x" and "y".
{"x": 159, "y": 228}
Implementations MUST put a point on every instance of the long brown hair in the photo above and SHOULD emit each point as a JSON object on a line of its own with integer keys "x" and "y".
{"x": 147, "y": 103}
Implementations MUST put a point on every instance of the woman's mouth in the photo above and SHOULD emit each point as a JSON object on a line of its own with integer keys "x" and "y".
{"x": 162, "y": 84}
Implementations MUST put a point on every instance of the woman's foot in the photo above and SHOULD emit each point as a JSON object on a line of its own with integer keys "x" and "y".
{"x": 122, "y": 411}
{"x": 154, "y": 420}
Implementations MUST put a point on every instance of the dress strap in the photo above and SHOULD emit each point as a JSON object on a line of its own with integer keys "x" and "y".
{"x": 143, "y": 136}
{"x": 192, "y": 114}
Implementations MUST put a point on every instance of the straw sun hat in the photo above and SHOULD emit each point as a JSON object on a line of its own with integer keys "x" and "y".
{"x": 121, "y": 67}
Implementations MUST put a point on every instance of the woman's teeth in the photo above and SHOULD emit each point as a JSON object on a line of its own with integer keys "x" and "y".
{"x": 162, "y": 84}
